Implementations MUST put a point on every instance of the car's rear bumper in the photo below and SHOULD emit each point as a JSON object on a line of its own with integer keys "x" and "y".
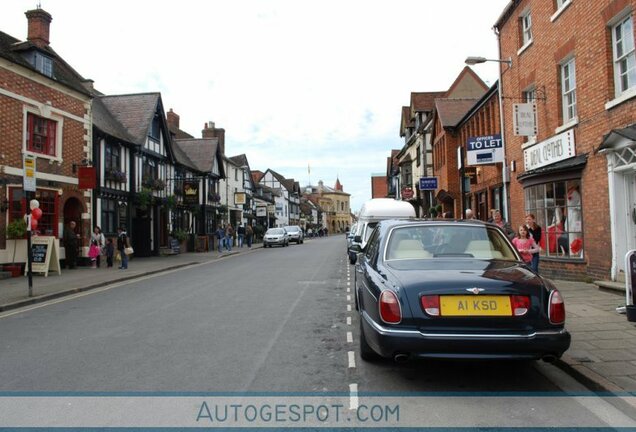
{"x": 274, "y": 242}
{"x": 389, "y": 342}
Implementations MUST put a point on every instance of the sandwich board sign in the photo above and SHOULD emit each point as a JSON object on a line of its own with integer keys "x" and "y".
{"x": 45, "y": 253}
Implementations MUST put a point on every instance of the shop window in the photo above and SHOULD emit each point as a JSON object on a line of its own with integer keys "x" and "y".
{"x": 48, "y": 199}
{"x": 41, "y": 135}
{"x": 558, "y": 210}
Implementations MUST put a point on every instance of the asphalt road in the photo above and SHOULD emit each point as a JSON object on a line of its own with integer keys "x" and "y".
{"x": 274, "y": 320}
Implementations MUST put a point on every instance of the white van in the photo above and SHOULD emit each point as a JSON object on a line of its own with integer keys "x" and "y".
{"x": 372, "y": 212}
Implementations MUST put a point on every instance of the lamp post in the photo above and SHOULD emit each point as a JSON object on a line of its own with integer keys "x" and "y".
{"x": 508, "y": 61}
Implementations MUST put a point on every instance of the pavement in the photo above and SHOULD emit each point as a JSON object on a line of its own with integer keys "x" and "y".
{"x": 602, "y": 355}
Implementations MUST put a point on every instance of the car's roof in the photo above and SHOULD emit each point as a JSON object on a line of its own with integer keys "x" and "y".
{"x": 437, "y": 222}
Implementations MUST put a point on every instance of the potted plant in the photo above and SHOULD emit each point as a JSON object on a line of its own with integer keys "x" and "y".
{"x": 144, "y": 198}
{"x": 16, "y": 230}
{"x": 181, "y": 236}
{"x": 171, "y": 201}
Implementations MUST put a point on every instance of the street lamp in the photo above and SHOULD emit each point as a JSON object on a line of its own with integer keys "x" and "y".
{"x": 508, "y": 61}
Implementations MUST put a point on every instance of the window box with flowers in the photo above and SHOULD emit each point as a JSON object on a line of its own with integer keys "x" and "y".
{"x": 154, "y": 184}
{"x": 113, "y": 174}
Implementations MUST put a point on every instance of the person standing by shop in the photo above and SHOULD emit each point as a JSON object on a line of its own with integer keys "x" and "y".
{"x": 535, "y": 232}
{"x": 122, "y": 244}
{"x": 220, "y": 235}
{"x": 97, "y": 239}
{"x": 501, "y": 223}
{"x": 71, "y": 243}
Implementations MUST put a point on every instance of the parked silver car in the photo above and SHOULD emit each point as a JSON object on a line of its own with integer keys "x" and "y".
{"x": 276, "y": 236}
{"x": 295, "y": 234}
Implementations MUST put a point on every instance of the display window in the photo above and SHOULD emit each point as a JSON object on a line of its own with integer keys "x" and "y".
{"x": 558, "y": 210}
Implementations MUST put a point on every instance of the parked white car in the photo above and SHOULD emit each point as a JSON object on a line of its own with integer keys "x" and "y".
{"x": 276, "y": 236}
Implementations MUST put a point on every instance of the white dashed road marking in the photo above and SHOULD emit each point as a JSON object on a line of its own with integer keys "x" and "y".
{"x": 353, "y": 396}
{"x": 352, "y": 359}
{"x": 349, "y": 337}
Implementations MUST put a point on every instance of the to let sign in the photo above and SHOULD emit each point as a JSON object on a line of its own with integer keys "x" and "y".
{"x": 428, "y": 183}
{"x": 525, "y": 119}
{"x": 484, "y": 150}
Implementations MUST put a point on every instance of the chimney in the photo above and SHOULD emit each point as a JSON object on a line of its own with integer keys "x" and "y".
{"x": 210, "y": 131}
{"x": 173, "y": 119}
{"x": 39, "y": 22}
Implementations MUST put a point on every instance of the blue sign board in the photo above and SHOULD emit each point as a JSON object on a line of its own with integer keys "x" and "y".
{"x": 428, "y": 183}
{"x": 483, "y": 150}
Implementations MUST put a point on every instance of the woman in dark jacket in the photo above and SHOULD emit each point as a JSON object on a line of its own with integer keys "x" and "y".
{"x": 535, "y": 232}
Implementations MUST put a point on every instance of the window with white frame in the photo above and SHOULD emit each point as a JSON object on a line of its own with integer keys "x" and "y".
{"x": 557, "y": 207}
{"x": 624, "y": 55}
{"x": 568, "y": 90}
{"x": 526, "y": 28}
{"x": 529, "y": 95}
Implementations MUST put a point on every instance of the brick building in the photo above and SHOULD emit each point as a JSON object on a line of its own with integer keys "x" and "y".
{"x": 379, "y": 185}
{"x": 575, "y": 61}
{"x": 45, "y": 111}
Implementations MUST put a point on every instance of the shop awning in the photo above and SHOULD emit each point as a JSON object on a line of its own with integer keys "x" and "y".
{"x": 618, "y": 135}
{"x": 572, "y": 164}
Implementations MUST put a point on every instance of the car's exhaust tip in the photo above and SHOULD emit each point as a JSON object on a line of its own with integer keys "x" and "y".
{"x": 401, "y": 358}
{"x": 549, "y": 358}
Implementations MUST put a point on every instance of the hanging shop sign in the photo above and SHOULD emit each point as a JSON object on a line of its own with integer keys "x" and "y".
{"x": 239, "y": 198}
{"x": 191, "y": 192}
{"x": 524, "y": 120}
{"x": 87, "y": 178}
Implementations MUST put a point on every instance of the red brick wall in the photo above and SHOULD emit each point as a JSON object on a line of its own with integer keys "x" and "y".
{"x": 12, "y": 125}
{"x": 580, "y": 30}
{"x": 379, "y": 187}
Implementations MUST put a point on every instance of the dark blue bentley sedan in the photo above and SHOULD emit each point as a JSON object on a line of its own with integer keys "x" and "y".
{"x": 453, "y": 289}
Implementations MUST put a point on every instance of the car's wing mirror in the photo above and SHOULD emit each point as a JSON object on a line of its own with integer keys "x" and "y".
{"x": 357, "y": 239}
{"x": 355, "y": 248}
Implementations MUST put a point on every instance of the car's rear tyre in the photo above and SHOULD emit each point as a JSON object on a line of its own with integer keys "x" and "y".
{"x": 366, "y": 352}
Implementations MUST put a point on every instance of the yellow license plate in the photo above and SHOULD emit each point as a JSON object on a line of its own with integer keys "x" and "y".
{"x": 475, "y": 305}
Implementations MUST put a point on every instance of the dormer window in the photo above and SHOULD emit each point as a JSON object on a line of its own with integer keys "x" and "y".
{"x": 41, "y": 63}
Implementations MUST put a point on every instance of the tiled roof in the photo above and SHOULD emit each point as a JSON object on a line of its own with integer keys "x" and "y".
{"x": 13, "y": 49}
{"x": 240, "y": 160}
{"x": 181, "y": 156}
{"x": 424, "y": 101}
{"x": 105, "y": 121}
{"x": 451, "y": 111}
{"x": 201, "y": 151}
{"x": 134, "y": 112}
{"x": 257, "y": 176}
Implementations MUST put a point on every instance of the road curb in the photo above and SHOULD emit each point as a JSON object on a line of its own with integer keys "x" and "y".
{"x": 46, "y": 297}
{"x": 586, "y": 376}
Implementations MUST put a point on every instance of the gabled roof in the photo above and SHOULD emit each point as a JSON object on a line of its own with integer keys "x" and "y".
{"x": 467, "y": 85}
{"x": 182, "y": 158}
{"x": 451, "y": 111}
{"x": 424, "y": 101}
{"x": 257, "y": 175}
{"x": 134, "y": 112}
{"x": 105, "y": 121}
{"x": 240, "y": 160}
{"x": 13, "y": 50}
{"x": 202, "y": 152}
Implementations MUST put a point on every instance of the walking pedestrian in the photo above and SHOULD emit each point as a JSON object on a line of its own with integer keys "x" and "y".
{"x": 220, "y": 235}
{"x": 240, "y": 230}
{"x": 249, "y": 234}
{"x": 535, "y": 231}
{"x": 71, "y": 242}
{"x": 97, "y": 239}
{"x": 501, "y": 223}
{"x": 122, "y": 244}
{"x": 229, "y": 237}
{"x": 525, "y": 244}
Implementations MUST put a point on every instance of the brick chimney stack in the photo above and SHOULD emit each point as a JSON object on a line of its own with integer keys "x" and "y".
{"x": 173, "y": 119}
{"x": 39, "y": 23}
{"x": 210, "y": 131}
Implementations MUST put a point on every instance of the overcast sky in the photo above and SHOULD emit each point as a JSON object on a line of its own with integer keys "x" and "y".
{"x": 293, "y": 83}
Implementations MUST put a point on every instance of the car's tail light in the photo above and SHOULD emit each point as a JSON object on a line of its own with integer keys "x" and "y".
{"x": 556, "y": 308}
{"x": 519, "y": 305}
{"x": 430, "y": 304}
{"x": 390, "y": 307}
